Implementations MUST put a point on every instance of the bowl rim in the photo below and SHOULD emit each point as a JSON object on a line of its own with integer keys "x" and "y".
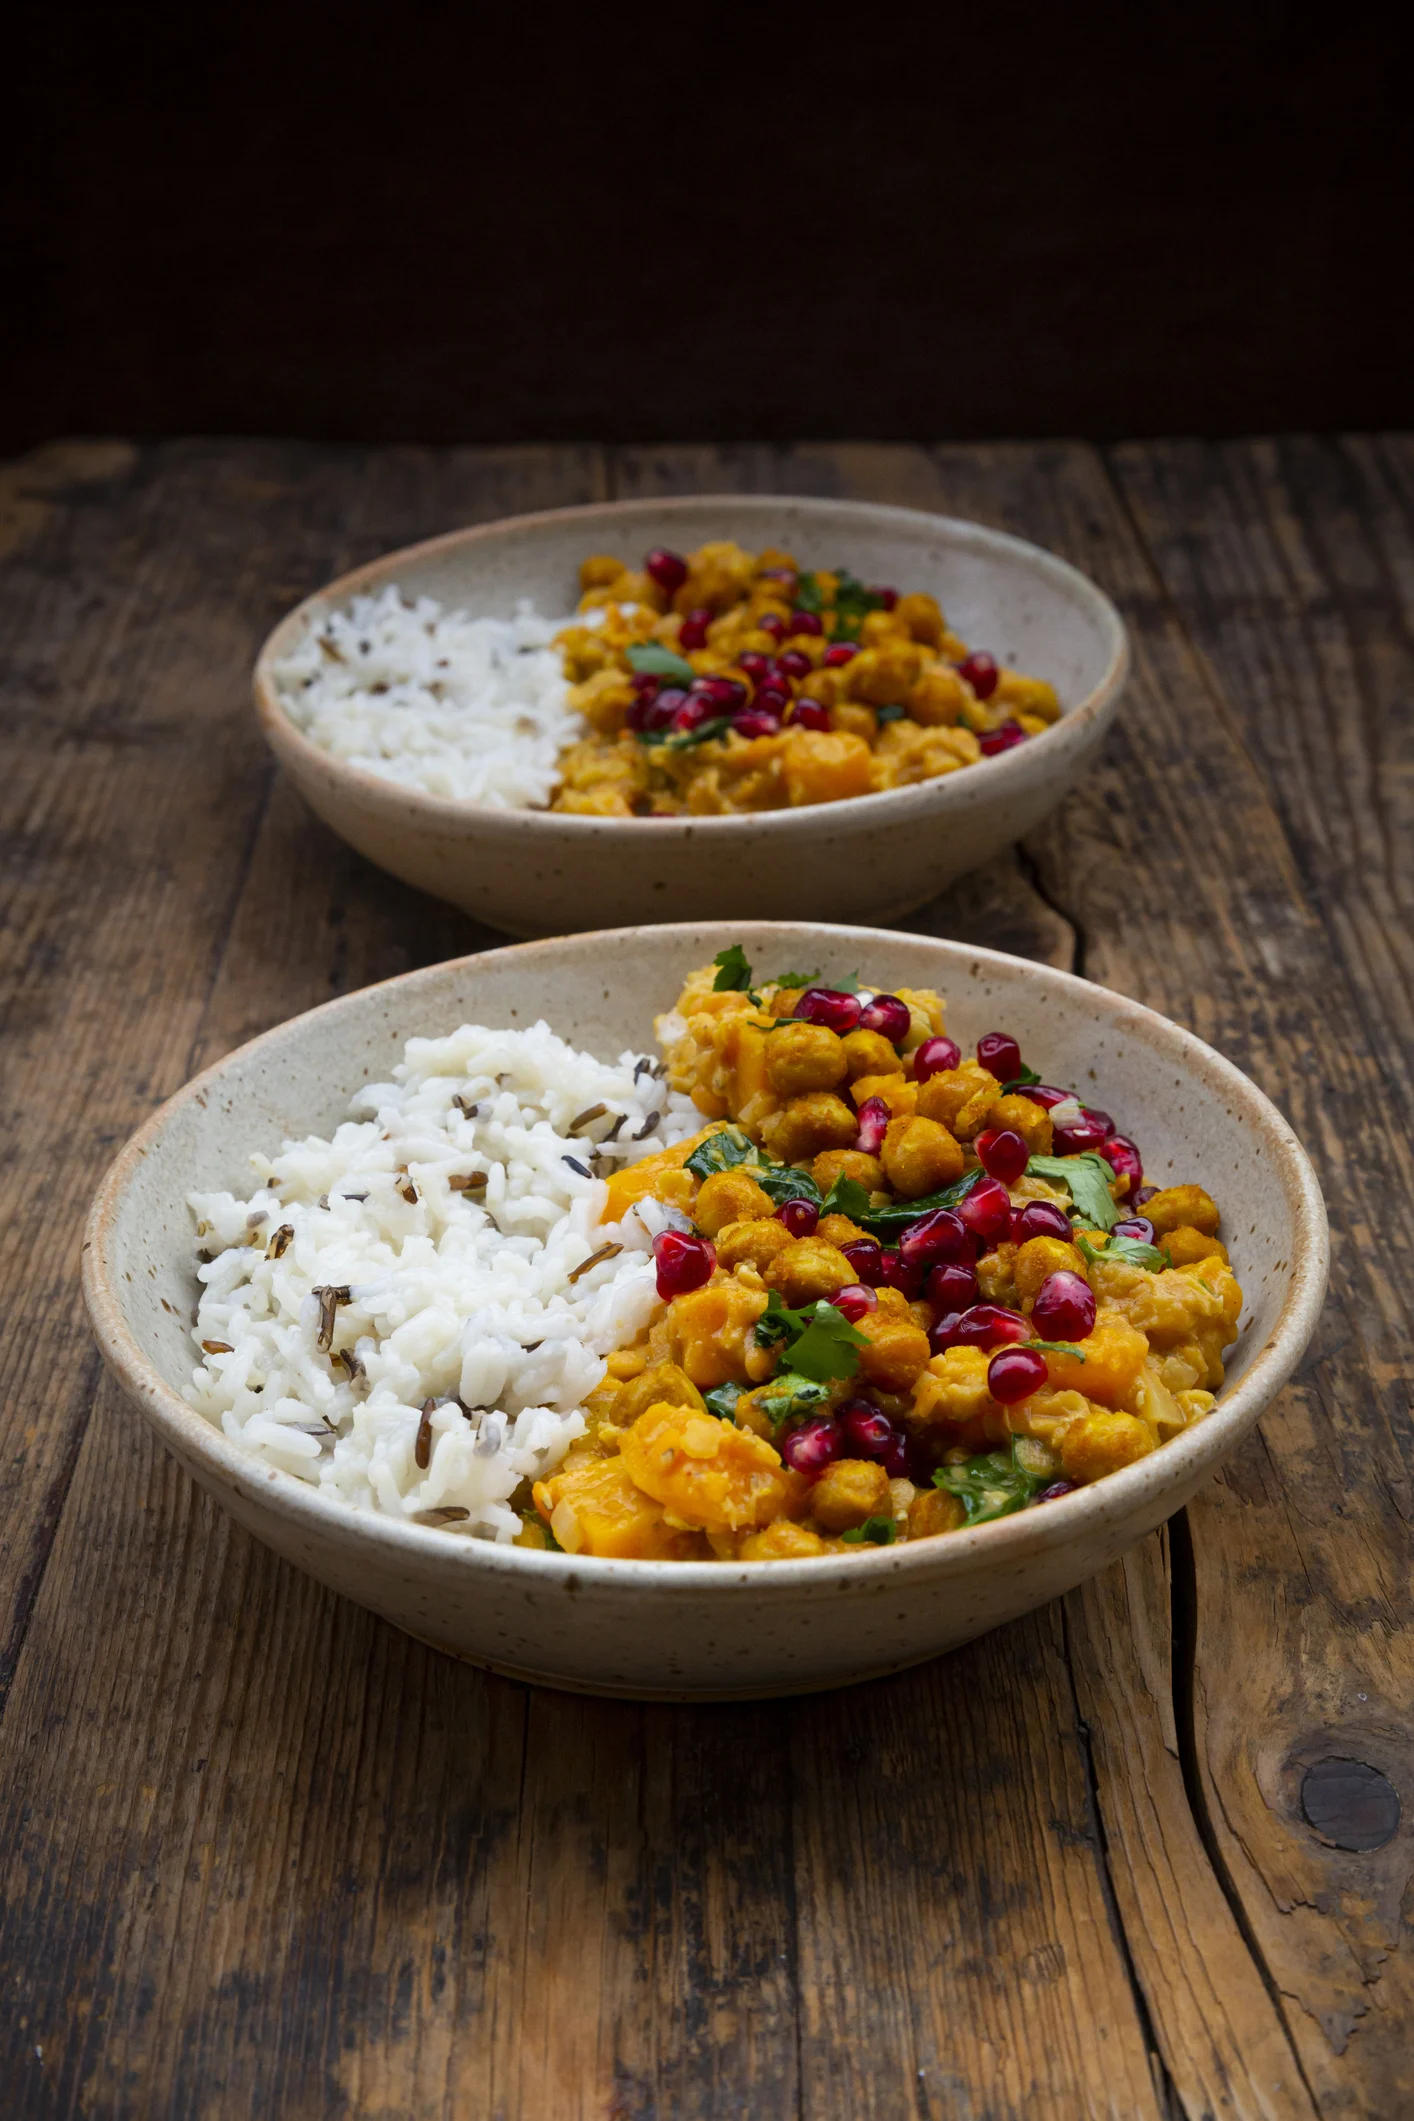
{"x": 943, "y": 792}
{"x": 1017, "y": 1539}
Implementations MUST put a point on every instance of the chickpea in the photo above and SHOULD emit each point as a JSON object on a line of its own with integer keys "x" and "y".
{"x": 809, "y": 1124}
{"x": 729, "y": 1197}
{"x": 849, "y": 1493}
{"x": 802, "y": 1057}
{"x": 664, "y": 1385}
{"x": 879, "y": 628}
{"x": 884, "y": 676}
{"x": 1038, "y": 1259}
{"x": 754, "y": 1243}
{"x": 599, "y": 570}
{"x": 1178, "y": 1207}
{"x": 831, "y": 1164}
{"x": 782, "y": 1541}
{"x": 961, "y": 1098}
{"x": 896, "y": 1351}
{"x": 839, "y": 1230}
{"x": 808, "y": 1268}
{"x": 1031, "y": 1121}
{"x": 852, "y": 717}
{"x": 937, "y": 700}
{"x": 919, "y": 1156}
{"x": 935, "y": 1511}
{"x": 1101, "y": 1443}
{"x": 868, "y": 1053}
{"x": 923, "y": 617}
{"x": 1185, "y": 1245}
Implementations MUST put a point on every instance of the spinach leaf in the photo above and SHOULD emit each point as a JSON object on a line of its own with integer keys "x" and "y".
{"x": 789, "y": 1394}
{"x": 784, "y": 1182}
{"x": 722, "y": 1152}
{"x": 878, "y": 1529}
{"x": 994, "y": 1485}
{"x": 733, "y": 971}
{"x": 1088, "y": 1178}
{"x": 650, "y": 659}
{"x": 722, "y": 1400}
{"x": 892, "y": 1221}
{"x": 1132, "y": 1250}
{"x": 826, "y": 1350}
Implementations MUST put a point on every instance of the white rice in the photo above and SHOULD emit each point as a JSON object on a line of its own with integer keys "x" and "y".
{"x": 455, "y": 706}
{"x": 462, "y": 1298}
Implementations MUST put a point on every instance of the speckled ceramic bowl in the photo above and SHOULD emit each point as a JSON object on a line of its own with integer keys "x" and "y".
{"x": 702, "y": 1629}
{"x": 873, "y": 857}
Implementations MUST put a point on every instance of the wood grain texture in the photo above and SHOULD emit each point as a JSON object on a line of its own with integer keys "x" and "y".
{"x": 261, "y": 1853}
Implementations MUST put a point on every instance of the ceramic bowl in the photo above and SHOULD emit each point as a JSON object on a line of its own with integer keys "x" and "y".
{"x": 699, "y": 1630}
{"x": 873, "y": 857}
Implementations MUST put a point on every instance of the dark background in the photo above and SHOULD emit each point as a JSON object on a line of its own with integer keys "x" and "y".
{"x": 496, "y": 225}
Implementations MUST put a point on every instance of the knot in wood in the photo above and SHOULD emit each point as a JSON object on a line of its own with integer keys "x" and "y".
{"x": 1350, "y": 1804}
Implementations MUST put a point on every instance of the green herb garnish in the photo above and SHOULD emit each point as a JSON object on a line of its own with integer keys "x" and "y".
{"x": 789, "y": 1394}
{"x": 650, "y": 659}
{"x": 785, "y": 1182}
{"x": 721, "y": 1401}
{"x": 880, "y": 1530}
{"x": 1088, "y": 1178}
{"x": 1056, "y": 1347}
{"x": 1133, "y": 1251}
{"x": 733, "y": 971}
{"x": 1027, "y": 1077}
{"x": 684, "y": 739}
{"x": 890, "y": 714}
{"x": 851, "y": 605}
{"x": 846, "y": 1197}
{"x": 994, "y": 1485}
{"x": 723, "y": 1151}
{"x": 893, "y": 1220}
{"x": 794, "y": 979}
{"x": 777, "y": 1322}
{"x": 827, "y": 1349}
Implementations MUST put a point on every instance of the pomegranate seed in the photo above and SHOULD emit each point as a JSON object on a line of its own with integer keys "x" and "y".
{"x": 693, "y": 632}
{"x": 1055, "y": 1491}
{"x": 900, "y": 1274}
{"x": 805, "y": 622}
{"x": 989, "y": 1326}
{"x": 986, "y": 1212}
{"x": 839, "y": 653}
{"x": 1122, "y": 1156}
{"x": 1003, "y": 1153}
{"x": 756, "y": 665}
{"x": 895, "y": 1459}
{"x": 993, "y": 742}
{"x": 826, "y": 1005}
{"x": 795, "y": 663}
{"x": 939, "y": 1236}
{"x": 874, "y": 1117}
{"x": 887, "y": 597}
{"x": 944, "y": 1334}
{"x": 866, "y": 1258}
{"x": 684, "y": 1263}
{"x": 865, "y": 1432}
{"x": 1135, "y": 1226}
{"x": 856, "y": 1300}
{"x": 645, "y": 684}
{"x": 668, "y": 569}
{"x": 1093, "y": 1112}
{"x": 1080, "y": 1135}
{"x": 887, "y": 1015}
{"x": 1040, "y": 1218}
{"x": 952, "y": 1287}
{"x": 654, "y": 710}
{"x": 757, "y": 721}
{"x": 1064, "y": 1308}
{"x": 771, "y": 622}
{"x": 726, "y": 694}
{"x": 1044, "y": 1095}
{"x": 810, "y": 714}
{"x": 694, "y": 711}
{"x": 981, "y": 673}
{"x": 934, "y": 1057}
{"x": 1000, "y": 1055}
{"x": 1142, "y": 1198}
{"x": 801, "y": 1217}
{"x": 1015, "y": 1373}
{"x": 772, "y": 694}
{"x": 813, "y": 1446}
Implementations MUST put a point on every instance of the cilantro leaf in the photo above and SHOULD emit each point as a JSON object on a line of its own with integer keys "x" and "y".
{"x": 846, "y": 1197}
{"x": 794, "y": 979}
{"x": 826, "y": 1349}
{"x": 722, "y": 1401}
{"x": 994, "y": 1485}
{"x": 1056, "y": 1347}
{"x": 778, "y": 1322}
{"x": 723, "y": 1151}
{"x": 650, "y": 659}
{"x": 1027, "y": 1077}
{"x": 808, "y": 594}
{"x": 1088, "y": 1178}
{"x": 893, "y": 1220}
{"x": 1133, "y": 1251}
{"x": 733, "y": 971}
{"x": 789, "y": 1394}
{"x": 878, "y": 1529}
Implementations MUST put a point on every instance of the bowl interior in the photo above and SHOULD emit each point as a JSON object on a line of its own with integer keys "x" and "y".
{"x": 1195, "y": 1116}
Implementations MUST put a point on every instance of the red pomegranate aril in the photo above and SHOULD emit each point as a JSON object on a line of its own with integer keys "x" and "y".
{"x": 812, "y": 1447}
{"x": 1142, "y": 1198}
{"x": 645, "y": 683}
{"x": 839, "y": 653}
{"x": 1103, "y": 1118}
{"x": 1080, "y": 1135}
{"x": 1055, "y": 1491}
{"x": 1003, "y": 1153}
{"x": 801, "y": 1217}
{"x": 756, "y": 665}
{"x": 1046, "y": 1095}
{"x": 1040, "y": 1218}
{"x": 668, "y": 569}
{"x": 945, "y": 1331}
{"x": 1122, "y": 1156}
{"x": 874, "y": 1117}
{"x": 648, "y": 711}
{"x": 1064, "y": 1308}
{"x": 826, "y": 1005}
{"x": 1015, "y": 1373}
{"x": 773, "y": 693}
{"x": 895, "y": 1459}
{"x": 986, "y": 1212}
{"x": 856, "y": 1300}
{"x": 692, "y": 634}
{"x": 887, "y": 1015}
{"x": 726, "y": 694}
{"x": 757, "y": 721}
{"x": 694, "y": 711}
{"x": 990, "y": 1326}
{"x": 771, "y": 622}
{"x": 936, "y": 1237}
{"x": 810, "y": 714}
{"x": 867, "y": 1260}
{"x": 865, "y": 1432}
{"x": 684, "y": 1263}
{"x": 900, "y": 1274}
{"x": 805, "y": 622}
{"x": 1000, "y": 1055}
{"x": 1138, "y": 1226}
{"x": 887, "y": 597}
{"x": 952, "y": 1287}
{"x": 795, "y": 663}
{"x": 934, "y": 1057}
{"x": 981, "y": 673}
{"x": 993, "y": 742}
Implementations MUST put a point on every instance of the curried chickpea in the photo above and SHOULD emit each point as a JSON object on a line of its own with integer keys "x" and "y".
{"x": 937, "y": 700}
{"x": 850, "y": 1492}
{"x": 664, "y": 1385}
{"x": 599, "y": 570}
{"x": 831, "y": 1164}
{"x": 839, "y": 1230}
{"x": 754, "y": 1243}
{"x": 962, "y": 1098}
{"x": 868, "y": 1053}
{"x": 1101, "y": 1443}
{"x": 896, "y": 1351}
{"x": 729, "y": 1197}
{"x": 923, "y": 617}
{"x": 1032, "y": 1122}
{"x": 920, "y": 1156}
{"x": 807, "y": 1269}
{"x": 802, "y": 1057}
{"x": 809, "y": 1124}
{"x": 1185, "y": 1245}
{"x": 782, "y": 1541}
{"x": 1179, "y": 1206}
{"x": 935, "y": 1511}
{"x": 1041, "y": 1257}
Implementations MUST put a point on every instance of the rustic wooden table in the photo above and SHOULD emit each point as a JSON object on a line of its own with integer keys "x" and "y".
{"x": 261, "y": 1855}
